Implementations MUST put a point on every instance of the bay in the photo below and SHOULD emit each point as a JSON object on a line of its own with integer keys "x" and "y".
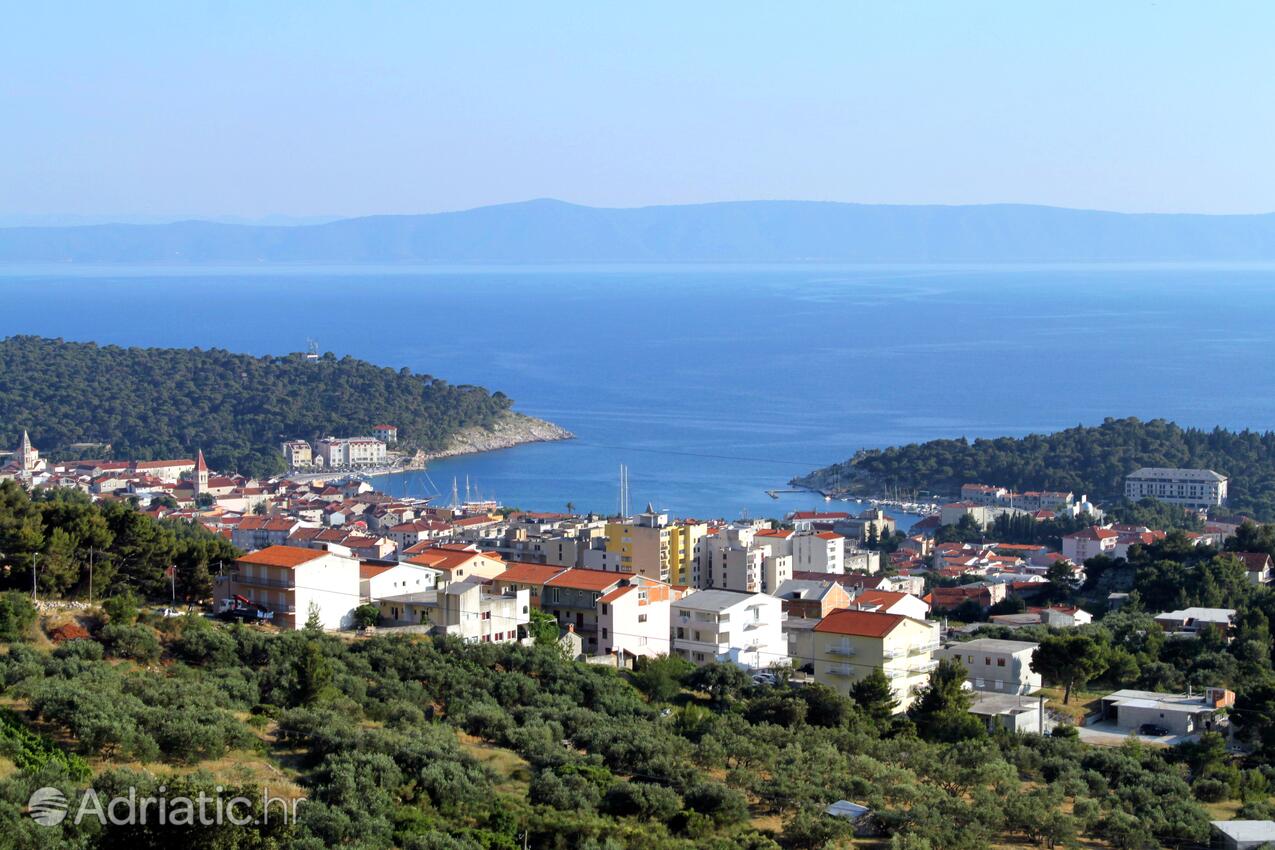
{"x": 716, "y": 383}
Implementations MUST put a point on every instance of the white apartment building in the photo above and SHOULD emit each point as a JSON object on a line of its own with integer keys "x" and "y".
{"x": 350, "y": 451}
{"x": 380, "y": 581}
{"x": 820, "y": 552}
{"x": 634, "y": 619}
{"x": 291, "y": 582}
{"x": 723, "y": 625}
{"x": 1087, "y": 543}
{"x": 466, "y": 609}
{"x": 297, "y": 454}
{"x": 745, "y": 559}
{"x": 1003, "y": 666}
{"x": 1193, "y": 488}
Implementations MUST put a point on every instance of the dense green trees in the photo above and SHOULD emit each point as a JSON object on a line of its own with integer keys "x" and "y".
{"x": 1090, "y": 460}
{"x": 77, "y": 547}
{"x": 370, "y": 731}
{"x": 160, "y": 403}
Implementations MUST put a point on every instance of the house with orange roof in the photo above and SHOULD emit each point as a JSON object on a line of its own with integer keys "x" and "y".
{"x": 573, "y": 598}
{"x": 891, "y": 602}
{"x": 457, "y": 561}
{"x": 847, "y": 645}
{"x": 290, "y": 583}
{"x": 379, "y": 581}
{"x": 1080, "y": 546}
{"x": 819, "y": 552}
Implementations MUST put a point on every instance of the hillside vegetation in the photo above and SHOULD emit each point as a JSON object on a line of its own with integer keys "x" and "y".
{"x": 1086, "y": 459}
{"x": 165, "y": 402}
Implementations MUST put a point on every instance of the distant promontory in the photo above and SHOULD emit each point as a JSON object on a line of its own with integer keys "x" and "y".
{"x": 548, "y": 231}
{"x": 147, "y": 403}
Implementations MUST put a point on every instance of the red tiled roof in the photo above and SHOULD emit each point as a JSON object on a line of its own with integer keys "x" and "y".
{"x": 371, "y": 570}
{"x": 525, "y": 573}
{"x": 282, "y": 556}
{"x": 582, "y": 579}
{"x": 859, "y": 623}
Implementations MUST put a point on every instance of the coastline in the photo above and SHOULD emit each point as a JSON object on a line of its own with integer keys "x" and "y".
{"x": 513, "y": 429}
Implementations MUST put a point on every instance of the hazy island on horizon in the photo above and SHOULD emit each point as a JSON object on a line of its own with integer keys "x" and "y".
{"x": 551, "y": 231}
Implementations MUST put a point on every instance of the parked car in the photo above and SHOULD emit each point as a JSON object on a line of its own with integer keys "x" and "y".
{"x": 1152, "y": 729}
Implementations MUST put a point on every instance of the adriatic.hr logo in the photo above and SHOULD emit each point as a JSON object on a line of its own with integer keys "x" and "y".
{"x": 47, "y": 806}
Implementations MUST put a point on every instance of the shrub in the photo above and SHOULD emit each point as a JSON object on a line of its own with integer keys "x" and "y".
{"x": 17, "y": 616}
{"x": 122, "y": 608}
{"x": 1210, "y": 790}
{"x": 642, "y": 800}
{"x": 131, "y": 641}
{"x": 366, "y": 615}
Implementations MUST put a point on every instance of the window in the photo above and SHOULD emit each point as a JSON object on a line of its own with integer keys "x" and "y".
{"x": 604, "y": 608}
{"x": 641, "y": 617}
{"x": 1000, "y": 662}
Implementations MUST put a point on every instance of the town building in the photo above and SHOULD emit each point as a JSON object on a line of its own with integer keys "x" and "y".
{"x": 819, "y": 552}
{"x": 297, "y": 454}
{"x": 650, "y": 545}
{"x": 1191, "y": 621}
{"x": 1011, "y": 712}
{"x": 891, "y": 602}
{"x": 291, "y": 583}
{"x": 724, "y": 625}
{"x": 1192, "y": 488}
{"x": 387, "y": 434}
{"x": 1003, "y": 666}
{"x": 467, "y": 609}
{"x": 1080, "y": 546}
{"x": 1181, "y": 714}
{"x": 458, "y": 561}
{"x": 350, "y": 452}
{"x": 1243, "y": 834}
{"x": 745, "y": 559}
{"x": 847, "y": 645}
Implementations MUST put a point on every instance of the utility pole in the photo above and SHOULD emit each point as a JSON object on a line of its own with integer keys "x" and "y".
{"x": 35, "y": 559}
{"x": 90, "y": 576}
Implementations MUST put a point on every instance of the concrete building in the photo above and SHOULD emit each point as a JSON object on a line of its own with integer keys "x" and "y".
{"x": 1014, "y": 713}
{"x": 457, "y": 561}
{"x": 297, "y": 454}
{"x": 1192, "y": 488}
{"x": 723, "y": 625}
{"x": 999, "y": 666}
{"x": 1080, "y": 546}
{"x": 745, "y": 559}
{"x": 634, "y": 619}
{"x": 891, "y": 602}
{"x": 819, "y": 552}
{"x": 805, "y": 599}
{"x": 381, "y": 581}
{"x": 847, "y": 645}
{"x": 1243, "y": 834}
{"x": 350, "y": 452}
{"x": 650, "y": 545}
{"x": 258, "y": 532}
{"x": 292, "y": 582}
{"x": 1181, "y": 714}
{"x": 1193, "y": 620}
{"x": 467, "y": 609}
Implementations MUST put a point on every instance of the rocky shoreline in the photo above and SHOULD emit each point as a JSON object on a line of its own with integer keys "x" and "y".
{"x": 513, "y": 429}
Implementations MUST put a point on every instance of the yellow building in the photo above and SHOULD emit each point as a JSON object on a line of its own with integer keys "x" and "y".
{"x": 653, "y": 547}
{"x": 847, "y": 645}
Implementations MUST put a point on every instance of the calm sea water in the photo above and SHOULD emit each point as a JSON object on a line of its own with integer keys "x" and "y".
{"x": 717, "y": 383}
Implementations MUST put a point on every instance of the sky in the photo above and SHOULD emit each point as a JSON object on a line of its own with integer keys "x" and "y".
{"x": 297, "y": 111}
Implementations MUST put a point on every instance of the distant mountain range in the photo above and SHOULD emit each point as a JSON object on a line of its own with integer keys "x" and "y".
{"x": 548, "y": 231}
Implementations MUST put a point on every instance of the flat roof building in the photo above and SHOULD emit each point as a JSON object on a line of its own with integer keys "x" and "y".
{"x": 1193, "y": 488}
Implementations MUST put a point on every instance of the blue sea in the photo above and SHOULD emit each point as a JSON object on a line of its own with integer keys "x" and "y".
{"x": 716, "y": 383}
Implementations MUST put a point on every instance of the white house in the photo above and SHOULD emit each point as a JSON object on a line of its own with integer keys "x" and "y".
{"x": 1003, "y": 666}
{"x": 378, "y": 581}
{"x": 292, "y": 582}
{"x": 819, "y": 552}
{"x": 725, "y": 625}
{"x": 1079, "y": 546}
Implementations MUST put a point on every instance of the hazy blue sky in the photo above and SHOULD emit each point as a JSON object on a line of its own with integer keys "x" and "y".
{"x": 321, "y": 108}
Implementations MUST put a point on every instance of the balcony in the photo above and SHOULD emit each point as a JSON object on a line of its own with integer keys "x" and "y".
{"x": 240, "y": 578}
{"x": 844, "y": 670}
{"x": 844, "y": 649}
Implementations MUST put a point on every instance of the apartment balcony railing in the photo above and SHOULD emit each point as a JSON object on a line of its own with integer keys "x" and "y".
{"x": 840, "y": 670}
{"x": 240, "y": 578}
{"x": 841, "y": 649}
